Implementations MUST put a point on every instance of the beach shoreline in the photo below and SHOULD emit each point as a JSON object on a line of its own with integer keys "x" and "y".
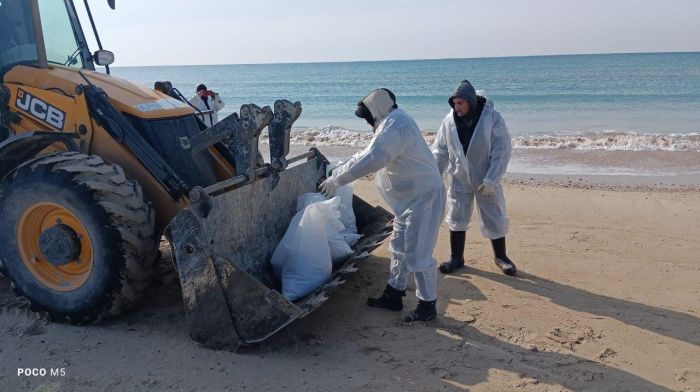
{"x": 611, "y": 170}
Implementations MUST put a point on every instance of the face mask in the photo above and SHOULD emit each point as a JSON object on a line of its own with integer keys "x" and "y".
{"x": 363, "y": 112}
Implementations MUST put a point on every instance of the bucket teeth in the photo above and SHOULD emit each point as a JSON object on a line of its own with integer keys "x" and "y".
{"x": 286, "y": 113}
{"x": 244, "y": 142}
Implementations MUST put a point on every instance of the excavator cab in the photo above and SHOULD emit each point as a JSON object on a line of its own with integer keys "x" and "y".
{"x": 94, "y": 169}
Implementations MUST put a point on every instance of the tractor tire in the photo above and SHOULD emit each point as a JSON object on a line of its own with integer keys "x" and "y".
{"x": 78, "y": 239}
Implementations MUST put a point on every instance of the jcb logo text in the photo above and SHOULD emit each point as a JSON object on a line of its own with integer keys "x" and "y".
{"x": 40, "y": 109}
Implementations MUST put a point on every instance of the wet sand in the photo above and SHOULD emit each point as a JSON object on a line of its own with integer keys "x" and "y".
{"x": 630, "y": 169}
{"x": 611, "y": 167}
{"x": 608, "y": 298}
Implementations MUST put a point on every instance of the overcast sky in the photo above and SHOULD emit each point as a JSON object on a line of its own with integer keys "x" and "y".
{"x": 162, "y": 32}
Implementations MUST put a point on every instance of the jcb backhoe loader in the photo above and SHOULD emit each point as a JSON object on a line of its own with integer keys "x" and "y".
{"x": 94, "y": 169}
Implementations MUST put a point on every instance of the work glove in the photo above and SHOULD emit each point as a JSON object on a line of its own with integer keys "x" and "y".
{"x": 487, "y": 188}
{"x": 329, "y": 187}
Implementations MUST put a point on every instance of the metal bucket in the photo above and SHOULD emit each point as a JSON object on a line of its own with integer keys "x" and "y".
{"x": 223, "y": 243}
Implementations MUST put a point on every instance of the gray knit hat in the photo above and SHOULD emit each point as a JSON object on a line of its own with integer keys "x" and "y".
{"x": 466, "y": 91}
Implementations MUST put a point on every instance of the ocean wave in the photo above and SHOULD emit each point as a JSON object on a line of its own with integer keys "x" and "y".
{"x": 606, "y": 140}
{"x": 611, "y": 141}
{"x": 334, "y": 136}
{"x": 327, "y": 136}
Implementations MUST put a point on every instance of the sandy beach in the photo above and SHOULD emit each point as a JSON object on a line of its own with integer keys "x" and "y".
{"x": 607, "y": 299}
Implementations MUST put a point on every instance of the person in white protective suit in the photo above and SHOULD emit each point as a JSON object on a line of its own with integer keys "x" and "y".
{"x": 208, "y": 103}
{"x": 474, "y": 146}
{"x": 407, "y": 177}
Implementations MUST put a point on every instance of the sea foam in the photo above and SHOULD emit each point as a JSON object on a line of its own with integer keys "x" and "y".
{"x": 605, "y": 140}
{"x": 611, "y": 141}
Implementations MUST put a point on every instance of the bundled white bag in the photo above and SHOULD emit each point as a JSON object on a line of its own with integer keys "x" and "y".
{"x": 347, "y": 215}
{"x": 339, "y": 248}
{"x": 307, "y": 199}
{"x": 339, "y": 240}
{"x": 302, "y": 260}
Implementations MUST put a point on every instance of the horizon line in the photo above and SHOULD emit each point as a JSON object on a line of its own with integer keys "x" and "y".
{"x": 400, "y": 60}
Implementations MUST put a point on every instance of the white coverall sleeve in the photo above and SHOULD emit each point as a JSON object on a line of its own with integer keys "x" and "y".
{"x": 217, "y": 103}
{"x": 439, "y": 148}
{"x": 500, "y": 151}
{"x": 385, "y": 147}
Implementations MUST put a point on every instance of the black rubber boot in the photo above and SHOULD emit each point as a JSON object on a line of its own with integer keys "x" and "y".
{"x": 390, "y": 299}
{"x": 425, "y": 311}
{"x": 457, "y": 241}
{"x": 502, "y": 261}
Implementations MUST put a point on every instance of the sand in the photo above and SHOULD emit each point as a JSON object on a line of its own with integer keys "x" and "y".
{"x": 608, "y": 298}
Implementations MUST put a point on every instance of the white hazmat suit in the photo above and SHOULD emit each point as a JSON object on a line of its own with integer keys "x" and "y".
{"x": 407, "y": 177}
{"x": 215, "y": 105}
{"x": 484, "y": 164}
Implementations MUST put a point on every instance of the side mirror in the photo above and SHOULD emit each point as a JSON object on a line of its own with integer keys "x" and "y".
{"x": 103, "y": 57}
{"x": 111, "y": 3}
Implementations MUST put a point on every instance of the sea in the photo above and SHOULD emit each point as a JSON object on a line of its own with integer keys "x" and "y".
{"x": 609, "y": 115}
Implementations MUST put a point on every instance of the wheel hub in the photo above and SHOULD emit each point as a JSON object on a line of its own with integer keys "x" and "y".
{"x": 55, "y": 246}
{"x": 59, "y": 244}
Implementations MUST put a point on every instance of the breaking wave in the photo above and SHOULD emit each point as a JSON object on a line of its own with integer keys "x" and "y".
{"x": 611, "y": 141}
{"x": 328, "y": 136}
{"x": 334, "y": 136}
{"x": 607, "y": 140}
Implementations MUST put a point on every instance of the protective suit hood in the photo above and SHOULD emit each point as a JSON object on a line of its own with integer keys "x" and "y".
{"x": 380, "y": 104}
